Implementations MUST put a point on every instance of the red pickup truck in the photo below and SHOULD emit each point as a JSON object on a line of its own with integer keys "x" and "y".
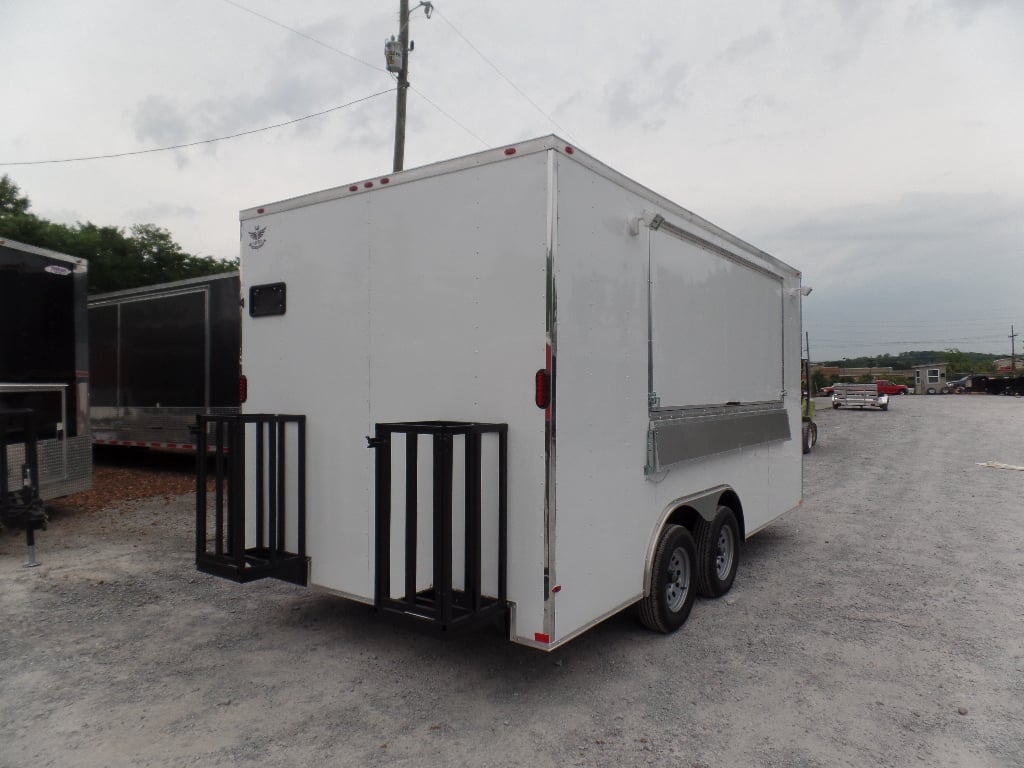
{"x": 886, "y": 387}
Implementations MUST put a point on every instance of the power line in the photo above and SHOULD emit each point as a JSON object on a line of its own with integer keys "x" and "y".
{"x": 435, "y": 106}
{"x": 494, "y": 66}
{"x": 312, "y": 39}
{"x": 201, "y": 141}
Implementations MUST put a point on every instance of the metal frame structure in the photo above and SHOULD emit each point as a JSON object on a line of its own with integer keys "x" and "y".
{"x": 442, "y": 603}
{"x": 232, "y": 557}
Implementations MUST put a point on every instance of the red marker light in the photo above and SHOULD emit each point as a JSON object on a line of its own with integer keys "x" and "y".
{"x": 243, "y": 388}
{"x": 368, "y": 184}
{"x": 353, "y": 188}
{"x": 259, "y": 210}
{"x": 569, "y": 150}
{"x": 541, "y": 637}
{"x": 385, "y": 180}
{"x": 510, "y": 151}
{"x": 542, "y": 388}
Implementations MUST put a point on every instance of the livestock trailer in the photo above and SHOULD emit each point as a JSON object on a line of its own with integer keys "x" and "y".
{"x": 515, "y": 384}
{"x": 44, "y": 369}
{"x": 161, "y": 355}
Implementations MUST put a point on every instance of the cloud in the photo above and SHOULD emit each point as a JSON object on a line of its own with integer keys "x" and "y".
{"x": 966, "y": 12}
{"x": 61, "y": 215}
{"x": 648, "y": 99}
{"x": 746, "y": 47}
{"x": 159, "y": 122}
{"x": 909, "y": 271}
{"x": 296, "y": 77}
{"x": 160, "y": 212}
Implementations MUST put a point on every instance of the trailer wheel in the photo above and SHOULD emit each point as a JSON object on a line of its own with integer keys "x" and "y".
{"x": 884, "y": 407}
{"x": 835, "y": 406}
{"x": 671, "y": 592}
{"x": 718, "y": 553}
{"x": 806, "y": 437}
{"x": 811, "y": 436}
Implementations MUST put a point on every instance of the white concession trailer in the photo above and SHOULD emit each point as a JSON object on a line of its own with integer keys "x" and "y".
{"x": 514, "y": 383}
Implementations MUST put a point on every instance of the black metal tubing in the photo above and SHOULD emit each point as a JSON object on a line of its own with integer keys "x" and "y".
{"x": 229, "y": 556}
{"x": 20, "y": 507}
{"x": 411, "y": 526}
{"x": 442, "y": 604}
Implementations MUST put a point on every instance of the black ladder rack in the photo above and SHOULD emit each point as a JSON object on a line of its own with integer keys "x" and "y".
{"x": 441, "y": 604}
{"x": 223, "y": 551}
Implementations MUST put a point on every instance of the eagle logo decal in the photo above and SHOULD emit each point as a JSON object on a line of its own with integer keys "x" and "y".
{"x": 256, "y": 240}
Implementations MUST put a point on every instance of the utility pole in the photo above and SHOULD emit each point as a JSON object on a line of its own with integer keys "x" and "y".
{"x": 397, "y": 54}
{"x": 1013, "y": 353}
{"x": 403, "y": 85}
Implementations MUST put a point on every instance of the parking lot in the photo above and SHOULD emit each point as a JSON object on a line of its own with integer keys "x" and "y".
{"x": 880, "y": 624}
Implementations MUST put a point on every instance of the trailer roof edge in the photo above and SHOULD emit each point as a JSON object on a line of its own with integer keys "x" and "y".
{"x": 507, "y": 152}
{"x": 160, "y": 287}
{"x": 7, "y": 242}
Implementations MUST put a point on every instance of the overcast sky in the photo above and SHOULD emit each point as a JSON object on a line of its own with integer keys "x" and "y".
{"x": 874, "y": 145}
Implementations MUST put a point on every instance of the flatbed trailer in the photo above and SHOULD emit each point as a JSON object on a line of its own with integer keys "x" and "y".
{"x": 859, "y": 395}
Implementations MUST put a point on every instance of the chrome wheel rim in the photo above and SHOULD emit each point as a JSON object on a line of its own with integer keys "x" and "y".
{"x": 725, "y": 552}
{"x": 678, "y": 584}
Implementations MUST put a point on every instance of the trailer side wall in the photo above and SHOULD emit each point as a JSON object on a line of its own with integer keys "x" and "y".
{"x": 608, "y": 508}
{"x": 162, "y": 354}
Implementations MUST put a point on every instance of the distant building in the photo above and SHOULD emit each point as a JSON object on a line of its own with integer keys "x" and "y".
{"x": 1003, "y": 365}
{"x": 929, "y": 379}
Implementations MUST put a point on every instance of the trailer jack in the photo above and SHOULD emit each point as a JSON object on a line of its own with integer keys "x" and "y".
{"x": 21, "y": 508}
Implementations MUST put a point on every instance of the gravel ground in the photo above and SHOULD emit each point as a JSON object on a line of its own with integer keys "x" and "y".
{"x": 878, "y": 625}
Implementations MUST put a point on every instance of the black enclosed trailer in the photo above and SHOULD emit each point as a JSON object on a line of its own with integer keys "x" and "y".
{"x": 161, "y": 355}
{"x": 44, "y": 370}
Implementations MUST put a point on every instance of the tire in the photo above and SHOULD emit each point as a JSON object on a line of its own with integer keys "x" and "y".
{"x": 835, "y": 406}
{"x": 931, "y": 390}
{"x": 718, "y": 553}
{"x": 884, "y": 407}
{"x": 814, "y": 434}
{"x": 672, "y": 587}
{"x": 805, "y": 438}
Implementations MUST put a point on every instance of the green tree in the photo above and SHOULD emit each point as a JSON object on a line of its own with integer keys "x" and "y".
{"x": 11, "y": 200}
{"x": 956, "y": 361}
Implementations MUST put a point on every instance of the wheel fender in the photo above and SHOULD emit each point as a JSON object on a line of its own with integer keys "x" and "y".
{"x": 703, "y": 503}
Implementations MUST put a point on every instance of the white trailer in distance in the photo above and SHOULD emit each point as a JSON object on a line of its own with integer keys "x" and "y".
{"x": 579, "y": 397}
